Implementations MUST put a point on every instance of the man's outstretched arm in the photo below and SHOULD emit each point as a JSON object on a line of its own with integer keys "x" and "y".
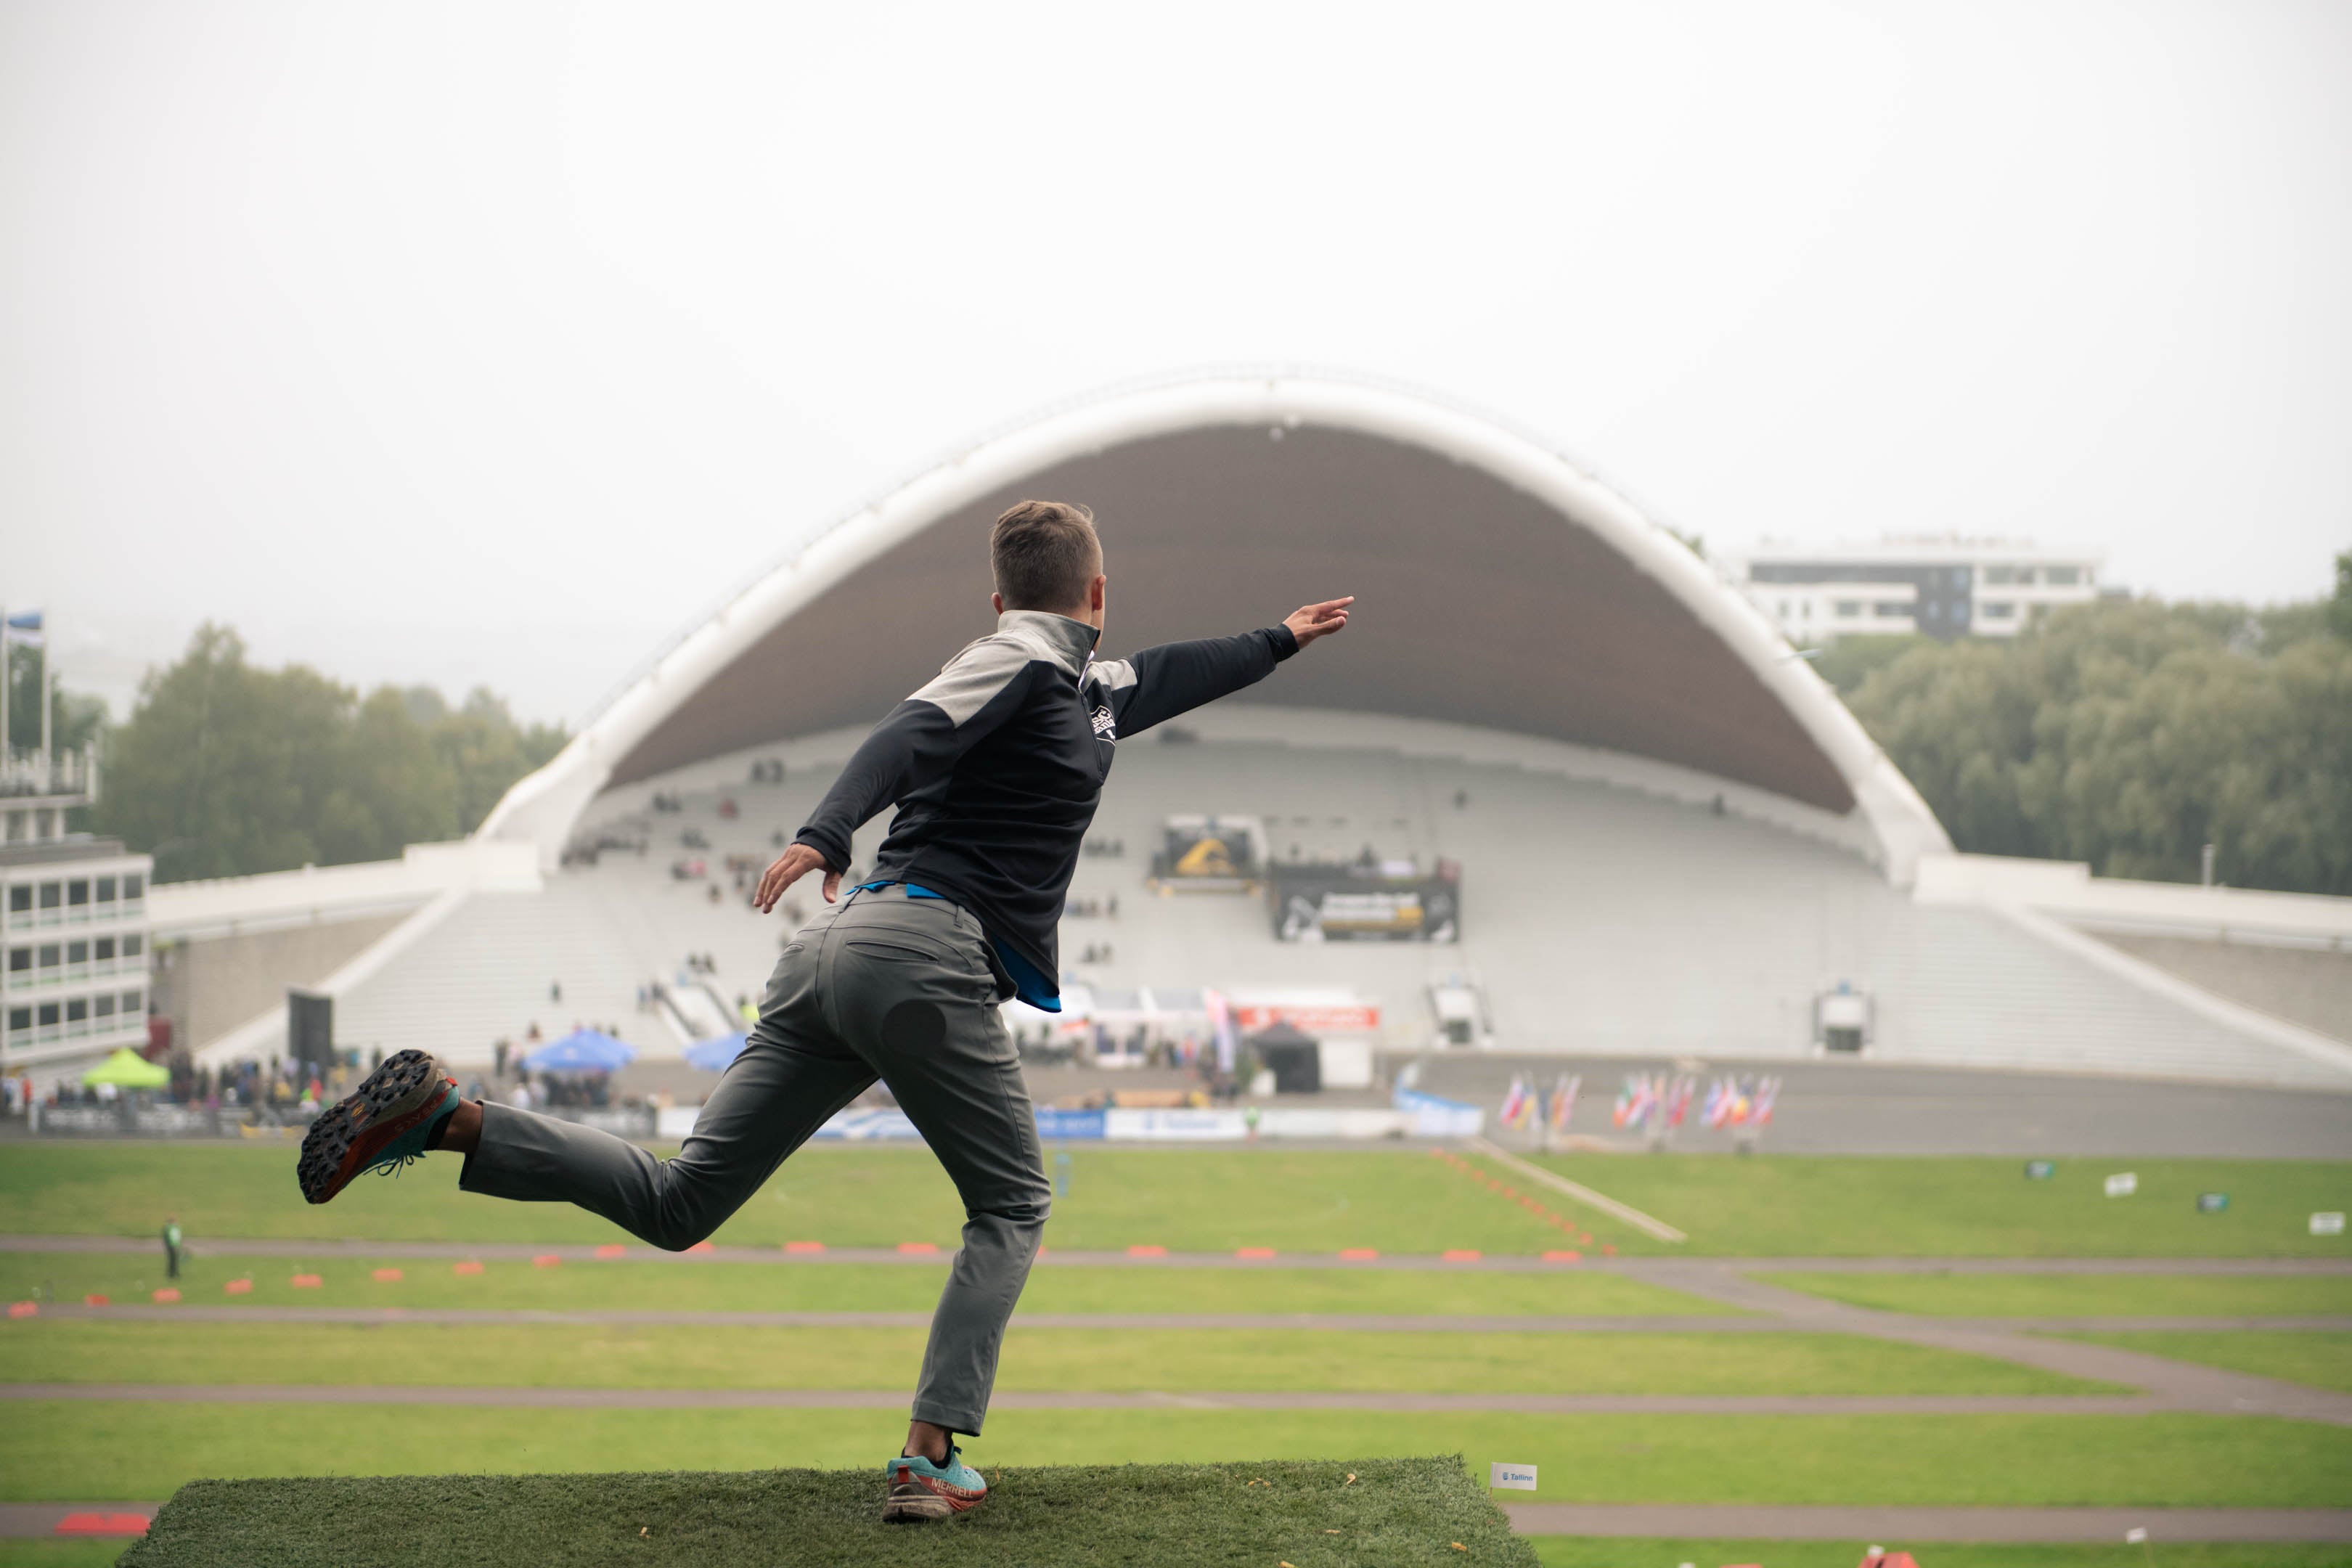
{"x": 1159, "y": 683}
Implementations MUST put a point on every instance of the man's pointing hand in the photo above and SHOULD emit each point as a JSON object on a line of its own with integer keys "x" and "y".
{"x": 790, "y": 866}
{"x": 1311, "y": 621}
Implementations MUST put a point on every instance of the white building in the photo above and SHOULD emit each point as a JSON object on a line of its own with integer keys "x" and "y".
{"x": 73, "y": 923}
{"x": 75, "y": 938}
{"x": 1945, "y": 587}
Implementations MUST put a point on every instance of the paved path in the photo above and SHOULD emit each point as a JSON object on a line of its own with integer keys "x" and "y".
{"x": 1084, "y": 1399}
{"x": 1324, "y": 1322}
{"x": 20, "y": 1521}
{"x": 1901, "y": 1527}
{"x": 2178, "y": 1384}
{"x": 584, "y": 1252}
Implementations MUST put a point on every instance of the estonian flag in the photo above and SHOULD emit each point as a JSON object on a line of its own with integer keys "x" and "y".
{"x": 25, "y": 626}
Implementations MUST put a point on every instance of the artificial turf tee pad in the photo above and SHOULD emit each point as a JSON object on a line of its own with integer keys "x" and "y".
{"x": 1400, "y": 1513}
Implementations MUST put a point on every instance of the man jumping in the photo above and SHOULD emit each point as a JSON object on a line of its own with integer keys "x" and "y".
{"x": 996, "y": 767}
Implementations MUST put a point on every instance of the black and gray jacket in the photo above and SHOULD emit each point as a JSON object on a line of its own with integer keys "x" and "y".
{"x": 997, "y": 764}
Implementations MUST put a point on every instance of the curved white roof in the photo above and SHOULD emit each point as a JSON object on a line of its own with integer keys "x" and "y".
{"x": 1499, "y": 586}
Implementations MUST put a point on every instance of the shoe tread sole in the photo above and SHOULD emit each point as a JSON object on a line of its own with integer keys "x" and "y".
{"x": 344, "y": 1139}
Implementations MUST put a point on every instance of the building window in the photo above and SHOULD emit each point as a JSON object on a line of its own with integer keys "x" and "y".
{"x": 19, "y": 1019}
{"x": 1894, "y": 607}
{"x": 20, "y": 960}
{"x": 78, "y": 892}
{"x": 133, "y": 944}
{"x": 2061, "y": 576}
{"x": 2000, "y": 573}
{"x": 76, "y": 953}
{"x": 133, "y": 886}
{"x": 106, "y": 890}
{"x": 20, "y": 898}
{"x": 49, "y": 1014}
{"x": 131, "y": 1001}
{"x": 105, "y": 953}
{"x": 102, "y": 1006}
{"x": 1847, "y": 609}
{"x": 49, "y": 956}
{"x": 77, "y": 1010}
{"x": 1997, "y": 610}
{"x": 51, "y": 895}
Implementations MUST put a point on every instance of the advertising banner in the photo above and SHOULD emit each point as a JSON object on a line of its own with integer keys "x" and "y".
{"x": 860, "y": 1125}
{"x": 1174, "y": 1126}
{"x": 1433, "y": 1116}
{"x": 1340, "y": 903}
{"x": 1316, "y": 1018}
{"x": 1208, "y": 853}
{"x": 1053, "y": 1124}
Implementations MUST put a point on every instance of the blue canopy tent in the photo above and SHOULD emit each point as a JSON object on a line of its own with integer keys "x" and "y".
{"x": 713, "y": 1054}
{"x": 583, "y": 1050}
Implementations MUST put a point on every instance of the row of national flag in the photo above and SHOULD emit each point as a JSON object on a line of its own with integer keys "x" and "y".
{"x": 1525, "y": 1103}
{"x": 1654, "y": 1101}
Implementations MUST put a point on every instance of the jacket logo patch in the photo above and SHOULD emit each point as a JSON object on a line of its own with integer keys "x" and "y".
{"x": 1105, "y": 727}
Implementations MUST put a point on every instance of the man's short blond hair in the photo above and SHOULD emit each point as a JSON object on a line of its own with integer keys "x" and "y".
{"x": 1044, "y": 555}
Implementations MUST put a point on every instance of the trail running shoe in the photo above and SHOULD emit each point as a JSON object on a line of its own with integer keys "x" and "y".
{"x": 921, "y": 1489}
{"x": 384, "y": 1123}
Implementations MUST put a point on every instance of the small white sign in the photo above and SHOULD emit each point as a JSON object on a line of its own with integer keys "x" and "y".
{"x": 2328, "y": 1223}
{"x": 1518, "y": 1477}
{"x": 2134, "y": 1536}
{"x": 2123, "y": 1185}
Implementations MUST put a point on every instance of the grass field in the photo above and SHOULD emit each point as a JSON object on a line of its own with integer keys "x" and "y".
{"x": 1108, "y": 1360}
{"x": 2083, "y": 1295}
{"x": 1567, "y": 1552}
{"x": 348, "y": 1282}
{"x": 2323, "y": 1360}
{"x": 1316, "y": 1200}
{"x": 1400, "y": 1511}
{"x": 1199, "y": 1200}
{"x": 1297, "y": 1201}
{"x": 104, "y": 1450}
{"x": 1821, "y": 1206}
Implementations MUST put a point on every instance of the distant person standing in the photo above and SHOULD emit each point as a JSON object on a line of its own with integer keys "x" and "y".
{"x": 172, "y": 1245}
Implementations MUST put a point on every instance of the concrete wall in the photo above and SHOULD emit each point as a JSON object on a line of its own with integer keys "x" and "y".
{"x": 210, "y": 985}
{"x": 2307, "y": 985}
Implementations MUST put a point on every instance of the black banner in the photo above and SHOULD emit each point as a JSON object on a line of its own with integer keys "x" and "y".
{"x": 1208, "y": 851}
{"x": 1336, "y": 903}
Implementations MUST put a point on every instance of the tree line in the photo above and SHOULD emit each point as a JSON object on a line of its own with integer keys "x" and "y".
{"x": 2128, "y": 733}
{"x": 2131, "y": 734}
{"x": 225, "y": 768}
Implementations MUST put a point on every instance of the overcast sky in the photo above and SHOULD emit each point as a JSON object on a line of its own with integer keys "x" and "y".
{"x": 490, "y": 342}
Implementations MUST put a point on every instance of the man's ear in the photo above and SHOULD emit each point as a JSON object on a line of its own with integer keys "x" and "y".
{"x": 997, "y": 600}
{"x": 1095, "y": 592}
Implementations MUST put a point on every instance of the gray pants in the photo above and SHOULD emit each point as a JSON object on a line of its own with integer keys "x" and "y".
{"x": 880, "y": 985}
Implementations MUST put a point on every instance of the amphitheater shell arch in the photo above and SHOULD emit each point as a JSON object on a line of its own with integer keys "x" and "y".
{"x": 1501, "y": 589}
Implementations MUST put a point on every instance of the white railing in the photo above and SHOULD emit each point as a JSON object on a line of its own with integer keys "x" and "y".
{"x": 25, "y": 773}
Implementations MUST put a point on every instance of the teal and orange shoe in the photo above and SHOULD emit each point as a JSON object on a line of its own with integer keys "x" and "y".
{"x": 921, "y": 1489}
{"x": 389, "y": 1120}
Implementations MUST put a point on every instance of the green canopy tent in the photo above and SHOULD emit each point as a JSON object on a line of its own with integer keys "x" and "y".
{"x": 126, "y": 1068}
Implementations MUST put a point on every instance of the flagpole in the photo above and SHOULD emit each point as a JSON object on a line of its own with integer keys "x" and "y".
{"x": 48, "y": 773}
